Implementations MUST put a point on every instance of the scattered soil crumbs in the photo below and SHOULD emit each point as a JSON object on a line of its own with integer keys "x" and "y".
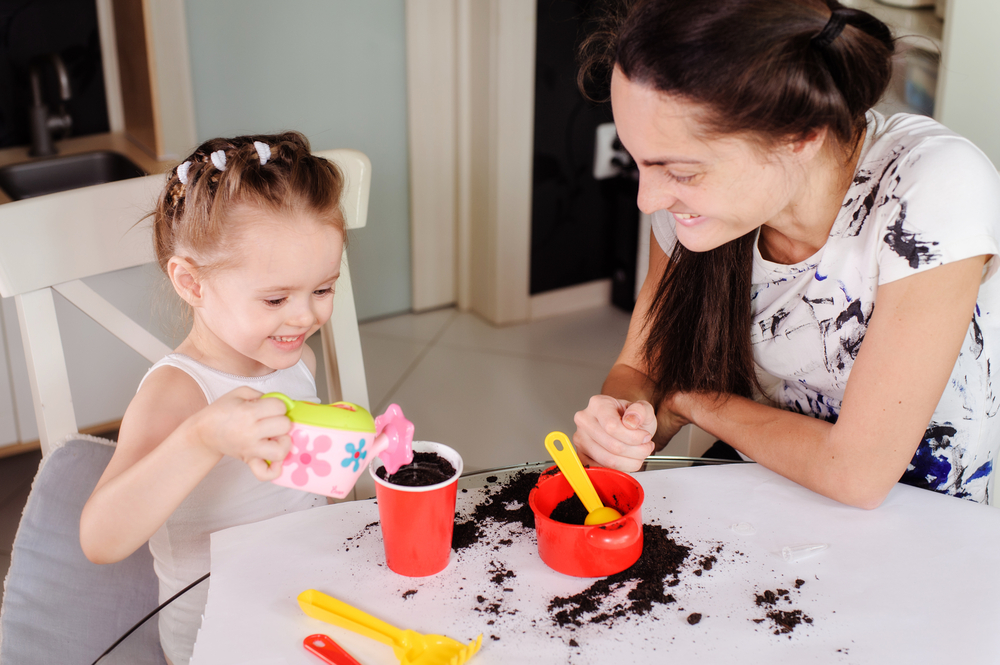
{"x": 662, "y": 558}
{"x": 784, "y": 621}
{"x": 500, "y": 574}
{"x": 364, "y": 530}
{"x": 407, "y": 594}
{"x": 644, "y": 585}
{"x": 506, "y": 505}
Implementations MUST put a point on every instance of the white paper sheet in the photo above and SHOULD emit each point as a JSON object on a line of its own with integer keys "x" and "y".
{"x": 916, "y": 581}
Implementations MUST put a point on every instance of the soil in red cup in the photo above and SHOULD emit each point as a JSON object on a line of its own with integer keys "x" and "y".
{"x": 425, "y": 469}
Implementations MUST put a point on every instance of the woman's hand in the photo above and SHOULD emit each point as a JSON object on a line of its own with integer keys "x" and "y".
{"x": 615, "y": 433}
{"x": 241, "y": 425}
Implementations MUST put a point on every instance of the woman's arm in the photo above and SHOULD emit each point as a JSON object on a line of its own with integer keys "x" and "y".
{"x": 619, "y": 428}
{"x": 168, "y": 442}
{"x": 903, "y": 365}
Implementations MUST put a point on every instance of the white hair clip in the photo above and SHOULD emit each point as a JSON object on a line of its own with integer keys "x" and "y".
{"x": 263, "y": 151}
{"x": 182, "y": 172}
{"x": 219, "y": 159}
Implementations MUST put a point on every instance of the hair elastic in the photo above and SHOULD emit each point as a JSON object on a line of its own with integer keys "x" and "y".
{"x": 263, "y": 151}
{"x": 219, "y": 159}
{"x": 832, "y": 29}
{"x": 182, "y": 172}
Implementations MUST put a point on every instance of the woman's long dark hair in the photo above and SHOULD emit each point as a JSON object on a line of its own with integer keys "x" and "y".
{"x": 756, "y": 70}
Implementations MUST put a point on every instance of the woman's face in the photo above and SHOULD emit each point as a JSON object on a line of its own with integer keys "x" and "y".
{"x": 717, "y": 189}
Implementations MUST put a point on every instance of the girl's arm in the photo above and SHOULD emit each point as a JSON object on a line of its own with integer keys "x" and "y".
{"x": 168, "y": 442}
{"x": 619, "y": 428}
{"x": 904, "y": 363}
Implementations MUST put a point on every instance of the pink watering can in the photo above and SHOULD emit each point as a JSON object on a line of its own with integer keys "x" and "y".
{"x": 333, "y": 443}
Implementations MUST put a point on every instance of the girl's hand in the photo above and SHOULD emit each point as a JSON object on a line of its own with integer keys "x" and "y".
{"x": 241, "y": 425}
{"x": 615, "y": 433}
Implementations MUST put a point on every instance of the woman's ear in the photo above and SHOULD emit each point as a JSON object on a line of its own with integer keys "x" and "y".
{"x": 803, "y": 150}
{"x": 184, "y": 276}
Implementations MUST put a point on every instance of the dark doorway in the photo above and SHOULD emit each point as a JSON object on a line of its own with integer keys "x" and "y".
{"x": 582, "y": 228}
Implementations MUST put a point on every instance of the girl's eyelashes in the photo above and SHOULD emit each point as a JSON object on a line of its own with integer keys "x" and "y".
{"x": 681, "y": 178}
{"x": 278, "y": 302}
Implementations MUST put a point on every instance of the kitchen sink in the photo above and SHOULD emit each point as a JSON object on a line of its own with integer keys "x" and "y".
{"x": 57, "y": 174}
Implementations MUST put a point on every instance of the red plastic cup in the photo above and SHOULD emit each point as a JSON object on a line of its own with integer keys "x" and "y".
{"x": 417, "y": 522}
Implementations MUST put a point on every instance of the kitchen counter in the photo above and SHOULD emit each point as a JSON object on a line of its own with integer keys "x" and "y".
{"x": 114, "y": 141}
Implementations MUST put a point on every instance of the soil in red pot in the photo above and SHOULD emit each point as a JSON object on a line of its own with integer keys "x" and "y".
{"x": 570, "y": 511}
{"x": 425, "y": 469}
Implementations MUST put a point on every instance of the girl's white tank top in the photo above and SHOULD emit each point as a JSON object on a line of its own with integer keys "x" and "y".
{"x": 230, "y": 495}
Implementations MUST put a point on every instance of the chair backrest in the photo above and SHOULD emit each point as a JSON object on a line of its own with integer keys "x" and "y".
{"x": 52, "y": 242}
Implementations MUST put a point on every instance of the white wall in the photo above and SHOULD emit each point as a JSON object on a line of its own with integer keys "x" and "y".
{"x": 336, "y": 71}
{"x": 970, "y": 88}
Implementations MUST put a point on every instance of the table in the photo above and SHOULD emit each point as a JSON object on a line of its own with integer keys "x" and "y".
{"x": 913, "y": 581}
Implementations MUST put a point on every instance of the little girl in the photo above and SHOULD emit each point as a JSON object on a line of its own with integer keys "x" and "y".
{"x": 250, "y": 233}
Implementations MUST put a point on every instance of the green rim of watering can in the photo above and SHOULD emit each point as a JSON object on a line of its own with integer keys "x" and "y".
{"x": 339, "y": 415}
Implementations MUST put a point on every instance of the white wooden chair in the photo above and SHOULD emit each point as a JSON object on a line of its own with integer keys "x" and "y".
{"x": 58, "y": 607}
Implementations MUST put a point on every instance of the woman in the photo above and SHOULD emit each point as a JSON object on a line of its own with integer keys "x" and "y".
{"x": 821, "y": 292}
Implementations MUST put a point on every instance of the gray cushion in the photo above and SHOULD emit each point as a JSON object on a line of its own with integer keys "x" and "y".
{"x": 59, "y": 607}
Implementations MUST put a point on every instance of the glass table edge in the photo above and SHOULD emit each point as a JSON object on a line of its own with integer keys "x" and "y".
{"x": 482, "y": 477}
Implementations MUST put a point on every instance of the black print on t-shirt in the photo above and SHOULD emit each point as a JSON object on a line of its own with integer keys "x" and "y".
{"x": 908, "y": 245}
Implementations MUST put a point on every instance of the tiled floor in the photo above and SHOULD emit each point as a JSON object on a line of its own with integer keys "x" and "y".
{"x": 491, "y": 393}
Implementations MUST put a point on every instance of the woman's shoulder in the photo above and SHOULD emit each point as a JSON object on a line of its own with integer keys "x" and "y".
{"x": 922, "y": 196}
{"x": 905, "y": 146}
{"x": 916, "y": 171}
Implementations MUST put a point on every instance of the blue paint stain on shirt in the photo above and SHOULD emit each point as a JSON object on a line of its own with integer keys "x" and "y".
{"x": 930, "y": 467}
{"x": 819, "y": 277}
{"x": 982, "y": 472}
{"x": 843, "y": 288}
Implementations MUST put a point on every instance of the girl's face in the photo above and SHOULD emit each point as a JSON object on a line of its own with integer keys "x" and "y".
{"x": 717, "y": 189}
{"x": 255, "y": 317}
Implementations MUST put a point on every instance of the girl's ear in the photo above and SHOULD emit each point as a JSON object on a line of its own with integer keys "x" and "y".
{"x": 184, "y": 276}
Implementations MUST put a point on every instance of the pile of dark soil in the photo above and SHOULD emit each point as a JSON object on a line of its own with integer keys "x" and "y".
{"x": 506, "y": 504}
{"x": 784, "y": 621}
{"x": 656, "y": 570}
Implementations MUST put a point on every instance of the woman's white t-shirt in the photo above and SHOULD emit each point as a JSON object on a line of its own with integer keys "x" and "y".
{"x": 921, "y": 197}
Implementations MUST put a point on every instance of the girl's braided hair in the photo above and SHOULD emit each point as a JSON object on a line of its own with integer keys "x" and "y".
{"x": 197, "y": 214}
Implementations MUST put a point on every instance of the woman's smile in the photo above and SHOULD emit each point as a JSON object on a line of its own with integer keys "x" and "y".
{"x": 688, "y": 218}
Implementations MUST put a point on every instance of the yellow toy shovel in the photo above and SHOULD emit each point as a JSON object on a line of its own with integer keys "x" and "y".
{"x": 566, "y": 459}
{"x": 410, "y": 647}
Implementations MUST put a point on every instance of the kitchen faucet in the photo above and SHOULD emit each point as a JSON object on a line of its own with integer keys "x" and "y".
{"x": 42, "y": 123}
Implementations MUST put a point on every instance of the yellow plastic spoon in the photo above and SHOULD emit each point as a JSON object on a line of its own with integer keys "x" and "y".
{"x": 566, "y": 459}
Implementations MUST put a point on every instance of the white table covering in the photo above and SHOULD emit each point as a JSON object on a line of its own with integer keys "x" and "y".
{"x": 915, "y": 581}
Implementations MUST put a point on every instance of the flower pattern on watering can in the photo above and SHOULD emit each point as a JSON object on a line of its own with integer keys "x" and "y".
{"x": 305, "y": 456}
{"x": 355, "y": 456}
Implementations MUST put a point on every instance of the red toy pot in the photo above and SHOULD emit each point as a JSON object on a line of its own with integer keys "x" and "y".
{"x": 589, "y": 551}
